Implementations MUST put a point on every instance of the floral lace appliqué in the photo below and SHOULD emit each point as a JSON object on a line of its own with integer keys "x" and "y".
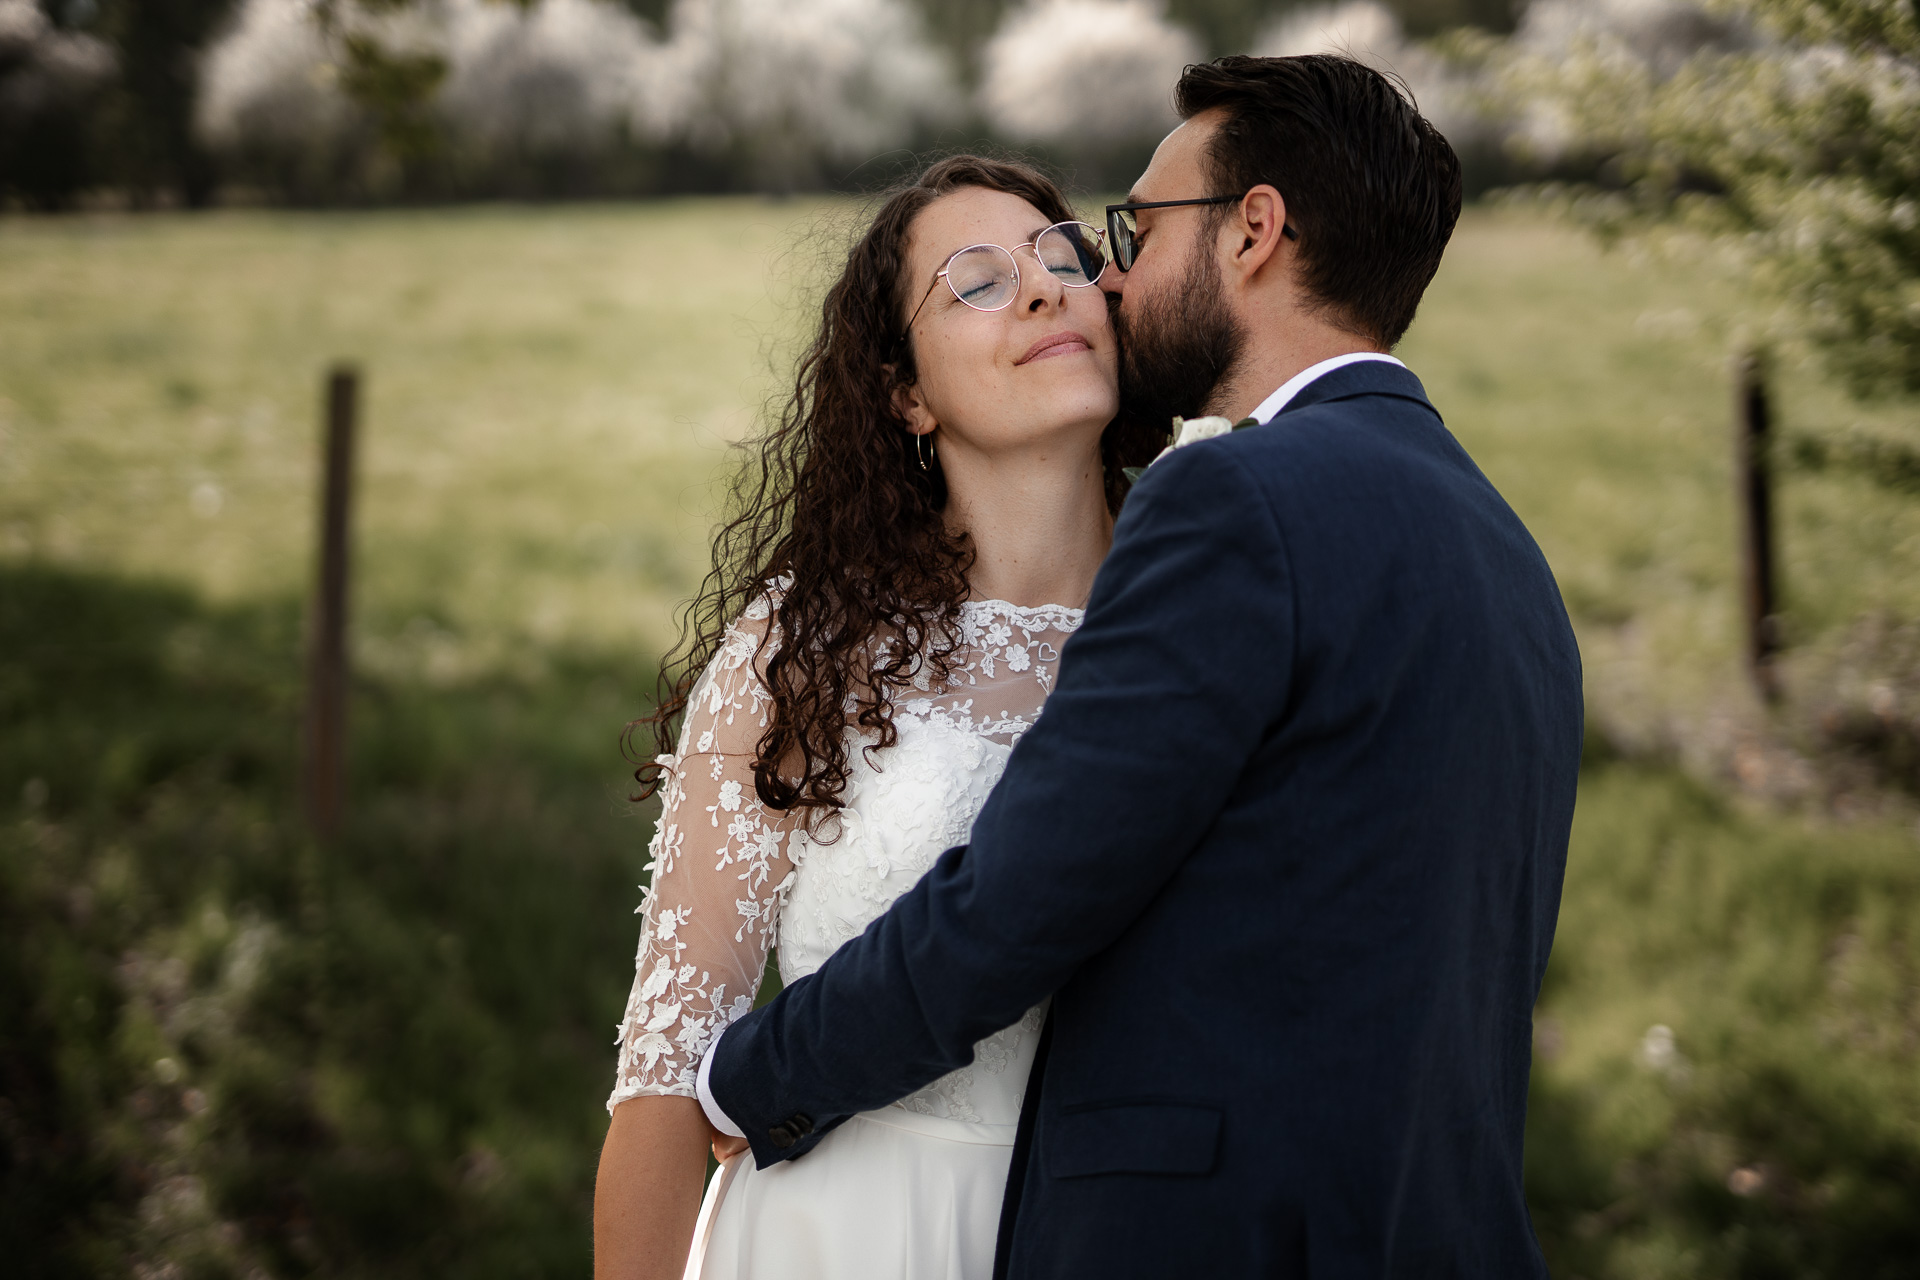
{"x": 730, "y": 878}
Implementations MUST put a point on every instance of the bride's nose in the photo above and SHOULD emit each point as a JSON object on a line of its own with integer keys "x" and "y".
{"x": 1039, "y": 286}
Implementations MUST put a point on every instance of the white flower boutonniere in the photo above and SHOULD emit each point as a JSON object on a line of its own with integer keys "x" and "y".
{"x": 1188, "y": 431}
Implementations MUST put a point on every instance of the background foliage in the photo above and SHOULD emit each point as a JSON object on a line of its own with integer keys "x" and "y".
{"x": 227, "y": 1051}
{"x": 352, "y": 101}
{"x": 1789, "y": 129}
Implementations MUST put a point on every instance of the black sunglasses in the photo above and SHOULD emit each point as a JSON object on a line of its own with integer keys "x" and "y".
{"x": 1120, "y": 224}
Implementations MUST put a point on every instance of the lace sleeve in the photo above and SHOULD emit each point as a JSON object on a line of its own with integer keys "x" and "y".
{"x": 720, "y": 869}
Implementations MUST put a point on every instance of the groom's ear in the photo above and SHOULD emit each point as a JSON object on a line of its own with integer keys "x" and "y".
{"x": 1260, "y": 223}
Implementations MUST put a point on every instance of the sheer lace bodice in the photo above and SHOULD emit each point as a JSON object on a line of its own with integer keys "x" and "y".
{"x": 731, "y": 878}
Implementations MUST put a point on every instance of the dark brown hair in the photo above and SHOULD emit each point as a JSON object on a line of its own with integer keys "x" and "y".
{"x": 1371, "y": 186}
{"x": 835, "y": 505}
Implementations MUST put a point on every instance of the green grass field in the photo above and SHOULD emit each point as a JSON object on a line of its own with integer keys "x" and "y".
{"x": 551, "y": 394}
{"x": 387, "y": 1057}
{"x": 548, "y": 395}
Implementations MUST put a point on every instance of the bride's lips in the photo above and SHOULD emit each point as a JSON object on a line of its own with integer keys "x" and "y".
{"x": 1055, "y": 344}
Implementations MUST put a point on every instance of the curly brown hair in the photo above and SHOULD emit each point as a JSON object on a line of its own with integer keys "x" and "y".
{"x": 836, "y": 505}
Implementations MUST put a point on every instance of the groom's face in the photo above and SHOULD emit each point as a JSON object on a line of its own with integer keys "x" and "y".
{"x": 1178, "y": 335}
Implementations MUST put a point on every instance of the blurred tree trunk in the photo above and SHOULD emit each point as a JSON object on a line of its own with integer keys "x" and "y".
{"x": 963, "y": 26}
{"x": 147, "y": 122}
{"x": 51, "y": 81}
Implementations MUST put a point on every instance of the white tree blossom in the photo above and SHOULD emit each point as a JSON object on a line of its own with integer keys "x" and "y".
{"x": 558, "y": 76}
{"x": 785, "y": 79}
{"x": 1363, "y": 30}
{"x": 1788, "y": 128}
{"x": 562, "y": 73}
{"x": 271, "y": 83}
{"x": 1084, "y": 72}
{"x": 1566, "y": 53}
{"x": 1367, "y": 32}
{"x": 1657, "y": 34}
{"x": 782, "y": 83}
{"x": 43, "y": 68}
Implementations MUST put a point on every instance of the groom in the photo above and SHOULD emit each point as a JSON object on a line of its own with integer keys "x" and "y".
{"x": 1285, "y": 848}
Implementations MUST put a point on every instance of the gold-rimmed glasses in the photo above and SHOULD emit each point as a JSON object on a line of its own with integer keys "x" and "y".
{"x": 987, "y": 277}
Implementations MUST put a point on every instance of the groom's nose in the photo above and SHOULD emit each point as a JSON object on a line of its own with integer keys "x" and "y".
{"x": 1112, "y": 281}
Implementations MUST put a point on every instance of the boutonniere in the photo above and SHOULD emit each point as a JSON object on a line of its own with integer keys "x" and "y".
{"x": 1188, "y": 431}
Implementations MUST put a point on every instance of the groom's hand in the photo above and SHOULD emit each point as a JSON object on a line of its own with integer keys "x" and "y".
{"x": 726, "y": 1146}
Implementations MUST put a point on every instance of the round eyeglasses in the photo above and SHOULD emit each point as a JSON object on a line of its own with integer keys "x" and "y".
{"x": 986, "y": 277}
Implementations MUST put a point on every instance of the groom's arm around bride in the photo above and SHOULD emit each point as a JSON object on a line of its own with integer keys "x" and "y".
{"x": 1286, "y": 845}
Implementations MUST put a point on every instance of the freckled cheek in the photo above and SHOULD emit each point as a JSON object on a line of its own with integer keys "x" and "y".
{"x": 1096, "y": 322}
{"x": 957, "y": 370}
{"x": 980, "y": 357}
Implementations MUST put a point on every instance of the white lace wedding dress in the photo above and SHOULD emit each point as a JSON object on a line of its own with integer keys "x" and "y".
{"x": 911, "y": 1191}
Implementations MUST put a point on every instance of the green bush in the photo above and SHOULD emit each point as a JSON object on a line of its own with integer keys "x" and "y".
{"x": 226, "y": 1047}
{"x": 1728, "y": 1078}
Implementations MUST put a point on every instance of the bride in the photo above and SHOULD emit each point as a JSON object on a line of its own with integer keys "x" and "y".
{"x": 885, "y": 619}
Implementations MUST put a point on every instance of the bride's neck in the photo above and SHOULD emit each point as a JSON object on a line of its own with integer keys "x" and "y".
{"x": 1038, "y": 520}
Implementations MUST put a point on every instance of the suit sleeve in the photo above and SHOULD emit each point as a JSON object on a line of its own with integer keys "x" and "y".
{"x": 1133, "y": 758}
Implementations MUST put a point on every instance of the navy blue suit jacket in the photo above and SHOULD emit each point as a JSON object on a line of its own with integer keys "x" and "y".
{"x": 1286, "y": 849}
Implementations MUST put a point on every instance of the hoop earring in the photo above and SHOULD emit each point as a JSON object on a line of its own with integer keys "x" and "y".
{"x": 920, "y": 448}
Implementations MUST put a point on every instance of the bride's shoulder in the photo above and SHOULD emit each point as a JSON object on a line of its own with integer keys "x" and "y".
{"x": 759, "y": 620}
{"x": 979, "y": 619}
{"x": 752, "y": 636}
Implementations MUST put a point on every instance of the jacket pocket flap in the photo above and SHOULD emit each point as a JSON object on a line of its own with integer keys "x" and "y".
{"x": 1132, "y": 1137}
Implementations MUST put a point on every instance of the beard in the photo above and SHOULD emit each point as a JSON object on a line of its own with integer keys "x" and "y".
{"x": 1179, "y": 347}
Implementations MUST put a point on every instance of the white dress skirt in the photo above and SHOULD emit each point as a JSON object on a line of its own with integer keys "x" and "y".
{"x": 882, "y": 1195}
{"x": 911, "y": 1191}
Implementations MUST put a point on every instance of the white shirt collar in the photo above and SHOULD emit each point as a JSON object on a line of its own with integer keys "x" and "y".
{"x": 1293, "y": 386}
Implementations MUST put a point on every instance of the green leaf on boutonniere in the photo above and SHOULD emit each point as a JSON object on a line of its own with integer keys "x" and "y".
{"x": 1133, "y": 474}
{"x": 1244, "y": 423}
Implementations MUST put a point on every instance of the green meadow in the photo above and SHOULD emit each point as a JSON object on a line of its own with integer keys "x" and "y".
{"x": 232, "y": 1050}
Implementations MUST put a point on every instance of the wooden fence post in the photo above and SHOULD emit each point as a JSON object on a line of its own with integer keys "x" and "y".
{"x": 324, "y": 778}
{"x": 1753, "y": 491}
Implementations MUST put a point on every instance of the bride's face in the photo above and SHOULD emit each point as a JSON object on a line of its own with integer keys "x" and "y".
{"x": 1040, "y": 372}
